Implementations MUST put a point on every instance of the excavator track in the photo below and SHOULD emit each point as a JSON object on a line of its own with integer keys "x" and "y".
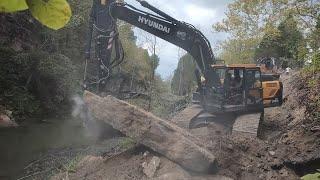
{"x": 184, "y": 118}
{"x": 247, "y": 125}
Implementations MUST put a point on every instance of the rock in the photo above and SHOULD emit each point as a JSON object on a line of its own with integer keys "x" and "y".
{"x": 315, "y": 129}
{"x": 5, "y": 121}
{"x": 276, "y": 164}
{"x": 173, "y": 176}
{"x": 149, "y": 169}
{"x": 178, "y": 176}
{"x": 259, "y": 165}
{"x": 162, "y": 136}
{"x": 230, "y": 147}
{"x": 145, "y": 154}
{"x": 9, "y": 113}
{"x": 265, "y": 168}
{"x": 261, "y": 176}
{"x": 284, "y": 173}
{"x": 272, "y": 153}
{"x": 259, "y": 155}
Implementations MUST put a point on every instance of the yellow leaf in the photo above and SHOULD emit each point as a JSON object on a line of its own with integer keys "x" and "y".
{"x": 54, "y": 14}
{"x": 12, "y": 5}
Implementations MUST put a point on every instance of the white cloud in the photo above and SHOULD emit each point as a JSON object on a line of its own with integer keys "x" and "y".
{"x": 199, "y": 14}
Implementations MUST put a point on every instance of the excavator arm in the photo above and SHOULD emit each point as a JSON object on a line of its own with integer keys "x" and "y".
{"x": 165, "y": 27}
{"x": 160, "y": 24}
{"x": 176, "y": 32}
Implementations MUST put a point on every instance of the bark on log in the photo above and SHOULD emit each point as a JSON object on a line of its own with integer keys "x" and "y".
{"x": 160, "y": 135}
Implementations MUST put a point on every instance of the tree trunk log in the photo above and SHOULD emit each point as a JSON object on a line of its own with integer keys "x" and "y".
{"x": 160, "y": 135}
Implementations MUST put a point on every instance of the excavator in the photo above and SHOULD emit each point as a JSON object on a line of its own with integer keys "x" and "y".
{"x": 243, "y": 90}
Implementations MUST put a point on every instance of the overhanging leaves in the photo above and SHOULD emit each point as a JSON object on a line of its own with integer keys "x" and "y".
{"x": 12, "y": 5}
{"x": 54, "y": 14}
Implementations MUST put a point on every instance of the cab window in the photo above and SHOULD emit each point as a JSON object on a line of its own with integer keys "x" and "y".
{"x": 253, "y": 79}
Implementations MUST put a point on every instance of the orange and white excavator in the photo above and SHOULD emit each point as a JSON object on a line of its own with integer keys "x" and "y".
{"x": 243, "y": 90}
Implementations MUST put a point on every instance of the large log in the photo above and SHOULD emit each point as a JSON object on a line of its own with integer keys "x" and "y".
{"x": 160, "y": 135}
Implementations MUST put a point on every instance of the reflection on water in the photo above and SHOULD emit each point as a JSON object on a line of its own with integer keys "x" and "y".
{"x": 20, "y": 146}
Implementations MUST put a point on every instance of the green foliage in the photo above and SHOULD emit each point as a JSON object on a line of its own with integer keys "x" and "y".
{"x": 163, "y": 101}
{"x": 58, "y": 81}
{"x": 290, "y": 37}
{"x": 12, "y": 5}
{"x": 238, "y": 50}
{"x": 126, "y": 143}
{"x": 268, "y": 28}
{"x": 287, "y": 44}
{"x": 72, "y": 164}
{"x": 54, "y": 14}
{"x": 315, "y": 176}
{"x": 53, "y": 61}
{"x": 13, "y": 90}
{"x": 184, "y": 80}
{"x": 137, "y": 60}
{"x": 36, "y": 82}
{"x": 314, "y": 37}
{"x": 154, "y": 60}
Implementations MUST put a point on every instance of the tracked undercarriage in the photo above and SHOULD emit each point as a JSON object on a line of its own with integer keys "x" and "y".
{"x": 195, "y": 116}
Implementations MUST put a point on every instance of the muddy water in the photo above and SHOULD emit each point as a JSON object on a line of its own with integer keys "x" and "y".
{"x": 22, "y": 145}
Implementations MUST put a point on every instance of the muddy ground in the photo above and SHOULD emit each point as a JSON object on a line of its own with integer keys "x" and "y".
{"x": 288, "y": 148}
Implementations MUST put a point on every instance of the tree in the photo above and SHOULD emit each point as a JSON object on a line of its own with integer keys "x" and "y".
{"x": 154, "y": 62}
{"x": 314, "y": 37}
{"x": 287, "y": 44}
{"x": 184, "y": 80}
{"x": 246, "y": 22}
{"x": 238, "y": 50}
{"x": 290, "y": 37}
{"x": 251, "y": 22}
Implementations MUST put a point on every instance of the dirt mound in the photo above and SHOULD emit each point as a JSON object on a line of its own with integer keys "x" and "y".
{"x": 130, "y": 165}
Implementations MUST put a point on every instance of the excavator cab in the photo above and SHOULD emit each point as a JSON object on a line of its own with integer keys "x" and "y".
{"x": 240, "y": 91}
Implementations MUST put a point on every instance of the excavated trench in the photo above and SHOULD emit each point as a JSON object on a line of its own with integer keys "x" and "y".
{"x": 304, "y": 167}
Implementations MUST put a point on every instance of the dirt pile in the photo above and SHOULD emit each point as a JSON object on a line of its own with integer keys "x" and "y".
{"x": 298, "y": 123}
{"x": 290, "y": 141}
{"x": 132, "y": 164}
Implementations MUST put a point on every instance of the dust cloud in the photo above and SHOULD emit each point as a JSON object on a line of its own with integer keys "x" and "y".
{"x": 95, "y": 129}
{"x": 80, "y": 111}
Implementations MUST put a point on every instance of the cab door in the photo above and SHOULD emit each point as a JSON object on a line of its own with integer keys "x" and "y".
{"x": 253, "y": 89}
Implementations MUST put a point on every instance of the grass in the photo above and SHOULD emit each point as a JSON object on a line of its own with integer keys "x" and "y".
{"x": 127, "y": 143}
{"x": 72, "y": 164}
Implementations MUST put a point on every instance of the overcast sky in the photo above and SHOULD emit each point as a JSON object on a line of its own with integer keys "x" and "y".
{"x": 201, "y": 13}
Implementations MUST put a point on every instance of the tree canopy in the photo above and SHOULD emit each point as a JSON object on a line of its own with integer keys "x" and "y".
{"x": 268, "y": 28}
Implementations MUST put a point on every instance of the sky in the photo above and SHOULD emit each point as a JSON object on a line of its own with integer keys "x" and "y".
{"x": 201, "y": 13}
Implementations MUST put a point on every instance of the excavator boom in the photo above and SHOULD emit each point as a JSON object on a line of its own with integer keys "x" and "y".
{"x": 169, "y": 29}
